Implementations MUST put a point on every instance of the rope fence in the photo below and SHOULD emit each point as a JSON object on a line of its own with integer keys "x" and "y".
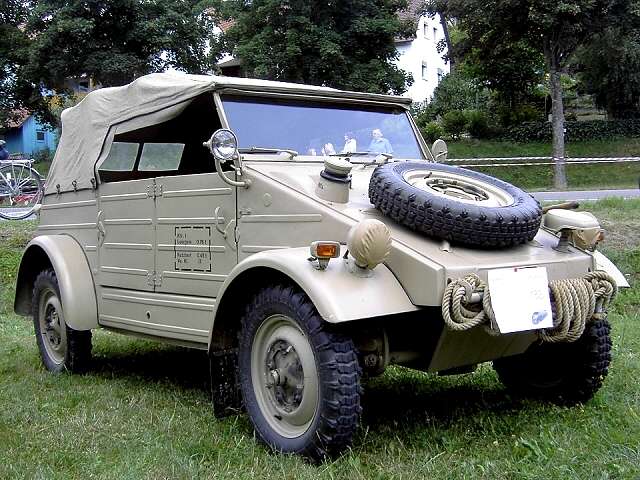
{"x": 528, "y": 161}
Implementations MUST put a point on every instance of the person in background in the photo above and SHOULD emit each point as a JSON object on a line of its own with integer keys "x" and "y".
{"x": 379, "y": 144}
{"x": 328, "y": 149}
{"x": 4, "y": 153}
{"x": 350, "y": 145}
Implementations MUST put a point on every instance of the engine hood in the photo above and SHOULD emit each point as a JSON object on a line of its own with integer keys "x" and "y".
{"x": 423, "y": 265}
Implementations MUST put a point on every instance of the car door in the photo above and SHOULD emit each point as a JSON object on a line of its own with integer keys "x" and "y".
{"x": 195, "y": 241}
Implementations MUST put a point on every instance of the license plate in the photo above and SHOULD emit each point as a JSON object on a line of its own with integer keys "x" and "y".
{"x": 520, "y": 298}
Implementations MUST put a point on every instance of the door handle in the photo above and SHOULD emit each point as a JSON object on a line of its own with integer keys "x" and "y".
{"x": 217, "y": 219}
{"x": 102, "y": 231}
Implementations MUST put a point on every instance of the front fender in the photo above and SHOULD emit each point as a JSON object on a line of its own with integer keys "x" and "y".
{"x": 338, "y": 295}
{"x": 77, "y": 290}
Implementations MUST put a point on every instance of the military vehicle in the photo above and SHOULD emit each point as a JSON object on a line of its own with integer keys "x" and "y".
{"x": 307, "y": 239}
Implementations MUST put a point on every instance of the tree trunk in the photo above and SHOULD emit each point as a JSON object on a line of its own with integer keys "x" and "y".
{"x": 557, "y": 126}
{"x": 447, "y": 39}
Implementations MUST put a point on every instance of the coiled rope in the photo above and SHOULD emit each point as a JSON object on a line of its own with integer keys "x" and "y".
{"x": 575, "y": 302}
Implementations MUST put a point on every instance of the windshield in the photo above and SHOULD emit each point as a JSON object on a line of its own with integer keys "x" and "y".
{"x": 321, "y": 128}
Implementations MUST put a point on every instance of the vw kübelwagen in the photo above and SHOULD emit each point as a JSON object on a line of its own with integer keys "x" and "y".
{"x": 307, "y": 238}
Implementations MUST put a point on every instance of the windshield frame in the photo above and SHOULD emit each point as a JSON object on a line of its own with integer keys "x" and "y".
{"x": 237, "y": 92}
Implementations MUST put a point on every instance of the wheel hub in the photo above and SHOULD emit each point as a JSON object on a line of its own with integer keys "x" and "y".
{"x": 284, "y": 376}
{"x": 287, "y": 376}
{"x": 462, "y": 188}
{"x": 52, "y": 326}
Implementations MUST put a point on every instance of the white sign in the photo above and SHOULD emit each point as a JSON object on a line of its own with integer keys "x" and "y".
{"x": 520, "y": 298}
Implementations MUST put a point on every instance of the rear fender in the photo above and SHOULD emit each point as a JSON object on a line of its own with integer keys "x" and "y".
{"x": 77, "y": 290}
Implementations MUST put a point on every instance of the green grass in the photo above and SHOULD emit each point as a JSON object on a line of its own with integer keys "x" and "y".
{"x": 594, "y": 176}
{"x": 144, "y": 410}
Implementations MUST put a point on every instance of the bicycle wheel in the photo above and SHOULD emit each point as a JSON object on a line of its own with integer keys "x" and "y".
{"x": 20, "y": 191}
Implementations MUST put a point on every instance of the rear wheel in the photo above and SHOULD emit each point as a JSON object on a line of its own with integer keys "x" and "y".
{"x": 20, "y": 191}
{"x": 61, "y": 347}
{"x": 300, "y": 382}
{"x": 563, "y": 373}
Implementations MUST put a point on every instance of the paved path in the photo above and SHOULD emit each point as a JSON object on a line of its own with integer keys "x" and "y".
{"x": 586, "y": 194}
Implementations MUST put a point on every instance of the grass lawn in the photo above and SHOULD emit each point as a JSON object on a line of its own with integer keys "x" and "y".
{"x": 144, "y": 409}
{"x": 595, "y": 176}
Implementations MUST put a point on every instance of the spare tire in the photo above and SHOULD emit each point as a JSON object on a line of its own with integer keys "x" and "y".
{"x": 455, "y": 204}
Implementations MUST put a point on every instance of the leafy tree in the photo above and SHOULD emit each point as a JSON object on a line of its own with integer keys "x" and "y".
{"x": 16, "y": 92}
{"x": 553, "y": 28}
{"x": 114, "y": 41}
{"x": 346, "y": 44}
{"x": 609, "y": 67}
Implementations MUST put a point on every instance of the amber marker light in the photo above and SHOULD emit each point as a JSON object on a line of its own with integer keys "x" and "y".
{"x": 323, "y": 251}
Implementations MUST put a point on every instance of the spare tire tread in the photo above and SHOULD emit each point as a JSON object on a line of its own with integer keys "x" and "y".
{"x": 453, "y": 220}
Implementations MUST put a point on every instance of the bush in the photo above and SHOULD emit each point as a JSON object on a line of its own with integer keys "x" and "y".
{"x": 432, "y": 131}
{"x": 454, "y": 123}
{"x": 478, "y": 124}
{"x": 44, "y": 155}
{"x": 590, "y": 130}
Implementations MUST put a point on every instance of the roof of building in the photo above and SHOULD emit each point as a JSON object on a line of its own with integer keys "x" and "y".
{"x": 17, "y": 118}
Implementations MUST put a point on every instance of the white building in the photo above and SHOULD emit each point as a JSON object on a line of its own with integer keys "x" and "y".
{"x": 420, "y": 58}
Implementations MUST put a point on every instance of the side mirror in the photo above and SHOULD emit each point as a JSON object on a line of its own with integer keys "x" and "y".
{"x": 223, "y": 145}
{"x": 439, "y": 150}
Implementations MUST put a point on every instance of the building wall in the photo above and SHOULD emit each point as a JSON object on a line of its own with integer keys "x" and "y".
{"x": 421, "y": 52}
{"x": 30, "y": 138}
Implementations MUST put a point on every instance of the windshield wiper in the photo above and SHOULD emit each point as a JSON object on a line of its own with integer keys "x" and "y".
{"x": 292, "y": 153}
{"x": 349, "y": 154}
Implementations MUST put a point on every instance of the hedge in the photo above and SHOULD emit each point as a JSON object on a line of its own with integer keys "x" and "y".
{"x": 587, "y": 130}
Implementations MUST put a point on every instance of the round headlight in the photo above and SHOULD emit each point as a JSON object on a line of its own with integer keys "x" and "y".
{"x": 224, "y": 144}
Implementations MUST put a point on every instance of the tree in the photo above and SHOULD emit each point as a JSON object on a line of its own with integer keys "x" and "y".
{"x": 345, "y": 44}
{"x": 16, "y": 92}
{"x": 554, "y": 28}
{"x": 609, "y": 63}
{"x": 114, "y": 41}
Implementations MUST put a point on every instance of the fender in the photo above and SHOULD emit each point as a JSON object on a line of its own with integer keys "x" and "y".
{"x": 338, "y": 295}
{"x": 77, "y": 290}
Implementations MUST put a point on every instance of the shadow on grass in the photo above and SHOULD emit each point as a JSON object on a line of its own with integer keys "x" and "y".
{"x": 400, "y": 397}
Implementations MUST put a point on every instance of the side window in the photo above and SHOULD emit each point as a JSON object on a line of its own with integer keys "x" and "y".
{"x": 160, "y": 157}
{"x": 120, "y": 162}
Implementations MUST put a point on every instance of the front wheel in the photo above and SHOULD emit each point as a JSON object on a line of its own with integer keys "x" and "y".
{"x": 562, "y": 373}
{"x": 300, "y": 382}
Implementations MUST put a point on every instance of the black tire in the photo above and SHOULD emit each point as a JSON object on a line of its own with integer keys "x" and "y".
{"x": 562, "y": 373}
{"x": 515, "y": 221}
{"x": 328, "y": 357}
{"x": 66, "y": 348}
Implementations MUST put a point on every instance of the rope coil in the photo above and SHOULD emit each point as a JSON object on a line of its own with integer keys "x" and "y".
{"x": 574, "y": 302}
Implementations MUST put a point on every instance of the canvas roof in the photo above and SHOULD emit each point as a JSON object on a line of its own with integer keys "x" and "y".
{"x": 90, "y": 126}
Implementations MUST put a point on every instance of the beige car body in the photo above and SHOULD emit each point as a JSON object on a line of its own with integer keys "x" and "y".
{"x": 173, "y": 257}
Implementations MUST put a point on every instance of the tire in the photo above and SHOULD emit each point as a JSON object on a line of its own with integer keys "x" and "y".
{"x": 449, "y": 202}
{"x": 562, "y": 373}
{"x": 20, "y": 191}
{"x": 312, "y": 406}
{"x": 61, "y": 347}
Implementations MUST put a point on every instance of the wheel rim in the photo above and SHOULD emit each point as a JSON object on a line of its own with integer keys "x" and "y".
{"x": 284, "y": 376}
{"x": 20, "y": 191}
{"x": 52, "y": 326}
{"x": 459, "y": 187}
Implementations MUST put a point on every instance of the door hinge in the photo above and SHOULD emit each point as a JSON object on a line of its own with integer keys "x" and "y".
{"x": 154, "y": 190}
{"x": 154, "y": 279}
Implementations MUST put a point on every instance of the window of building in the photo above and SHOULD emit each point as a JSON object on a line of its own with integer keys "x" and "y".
{"x": 425, "y": 71}
{"x": 40, "y": 135}
{"x": 440, "y": 75}
{"x": 435, "y": 34}
{"x": 425, "y": 29}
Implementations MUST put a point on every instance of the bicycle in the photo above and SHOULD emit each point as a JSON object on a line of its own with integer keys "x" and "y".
{"x": 21, "y": 189}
